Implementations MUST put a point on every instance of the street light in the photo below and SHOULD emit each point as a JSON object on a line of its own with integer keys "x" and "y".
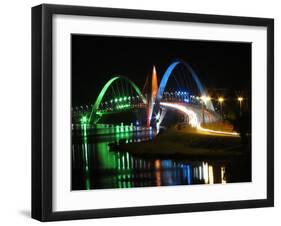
{"x": 221, "y": 100}
{"x": 240, "y": 99}
{"x": 205, "y": 99}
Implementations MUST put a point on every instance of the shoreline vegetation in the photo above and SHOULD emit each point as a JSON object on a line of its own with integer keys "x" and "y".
{"x": 180, "y": 141}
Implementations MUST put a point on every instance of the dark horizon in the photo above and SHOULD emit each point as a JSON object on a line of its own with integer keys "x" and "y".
{"x": 96, "y": 59}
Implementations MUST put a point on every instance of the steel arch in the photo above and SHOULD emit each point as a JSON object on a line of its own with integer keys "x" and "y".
{"x": 166, "y": 77}
{"x": 105, "y": 88}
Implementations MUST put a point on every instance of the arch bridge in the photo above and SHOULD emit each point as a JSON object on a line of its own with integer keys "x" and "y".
{"x": 179, "y": 88}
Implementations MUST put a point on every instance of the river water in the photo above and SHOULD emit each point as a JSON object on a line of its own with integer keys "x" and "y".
{"x": 96, "y": 164}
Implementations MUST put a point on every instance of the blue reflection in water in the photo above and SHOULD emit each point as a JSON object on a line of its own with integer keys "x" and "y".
{"x": 188, "y": 169}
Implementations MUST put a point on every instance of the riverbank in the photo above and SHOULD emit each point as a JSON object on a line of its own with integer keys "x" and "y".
{"x": 190, "y": 143}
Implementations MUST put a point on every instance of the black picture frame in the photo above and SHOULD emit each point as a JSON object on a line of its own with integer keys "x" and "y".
{"x": 42, "y": 111}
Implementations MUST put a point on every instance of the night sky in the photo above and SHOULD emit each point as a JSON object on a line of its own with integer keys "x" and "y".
{"x": 96, "y": 59}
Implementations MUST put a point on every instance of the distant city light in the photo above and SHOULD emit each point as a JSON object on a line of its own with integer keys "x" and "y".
{"x": 240, "y": 99}
{"x": 205, "y": 98}
{"x": 221, "y": 99}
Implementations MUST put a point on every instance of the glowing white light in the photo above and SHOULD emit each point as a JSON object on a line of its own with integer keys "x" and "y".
{"x": 193, "y": 121}
{"x": 221, "y": 99}
{"x": 240, "y": 99}
{"x": 157, "y": 116}
{"x": 211, "y": 174}
{"x": 205, "y": 172}
{"x": 205, "y": 98}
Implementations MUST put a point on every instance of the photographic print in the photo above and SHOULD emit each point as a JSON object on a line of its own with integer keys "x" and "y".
{"x": 139, "y": 112}
{"x": 150, "y": 112}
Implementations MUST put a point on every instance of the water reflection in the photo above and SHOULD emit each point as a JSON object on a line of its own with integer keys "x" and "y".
{"x": 96, "y": 164}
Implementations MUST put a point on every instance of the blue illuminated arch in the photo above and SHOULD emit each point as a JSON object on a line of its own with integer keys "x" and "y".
{"x": 166, "y": 77}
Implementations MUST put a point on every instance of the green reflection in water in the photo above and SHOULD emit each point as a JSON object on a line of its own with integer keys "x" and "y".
{"x": 110, "y": 159}
{"x": 87, "y": 180}
{"x": 124, "y": 171}
{"x": 119, "y": 163}
{"x": 85, "y": 144}
{"x": 106, "y": 158}
{"x": 85, "y": 153}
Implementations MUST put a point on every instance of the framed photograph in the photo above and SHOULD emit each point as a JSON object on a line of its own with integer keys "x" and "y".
{"x": 145, "y": 112}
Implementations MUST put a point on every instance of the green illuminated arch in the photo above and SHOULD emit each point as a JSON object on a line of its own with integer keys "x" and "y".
{"x": 105, "y": 88}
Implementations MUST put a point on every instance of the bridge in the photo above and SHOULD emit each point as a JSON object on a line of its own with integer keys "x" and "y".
{"x": 179, "y": 90}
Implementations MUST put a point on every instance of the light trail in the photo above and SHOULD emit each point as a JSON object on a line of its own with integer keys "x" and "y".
{"x": 193, "y": 120}
{"x": 217, "y": 131}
